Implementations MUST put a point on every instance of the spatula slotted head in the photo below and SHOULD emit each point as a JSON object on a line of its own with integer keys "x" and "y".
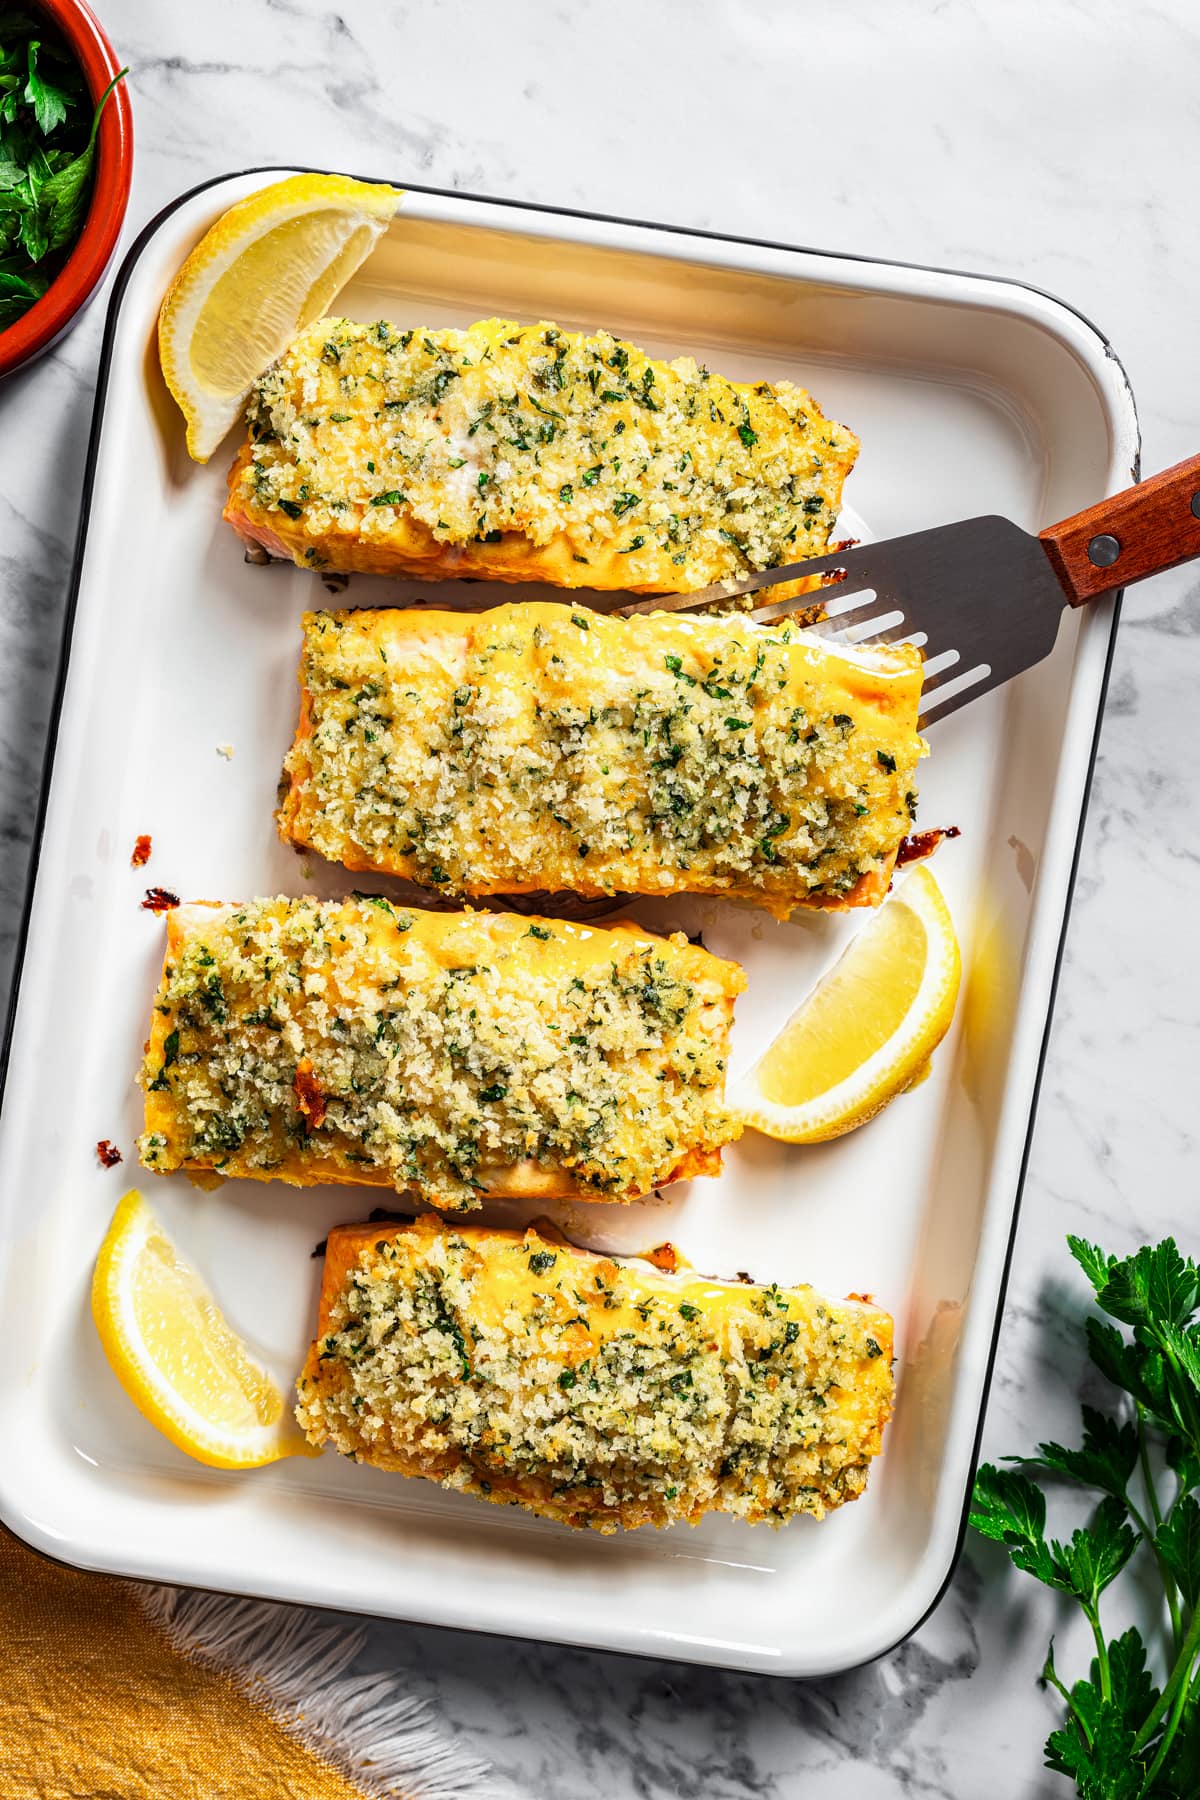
{"x": 980, "y": 598}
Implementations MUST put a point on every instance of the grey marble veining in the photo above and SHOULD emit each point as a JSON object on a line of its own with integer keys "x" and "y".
{"x": 1051, "y": 139}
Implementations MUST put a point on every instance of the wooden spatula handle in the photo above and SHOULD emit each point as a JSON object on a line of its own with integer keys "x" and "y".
{"x": 1146, "y": 529}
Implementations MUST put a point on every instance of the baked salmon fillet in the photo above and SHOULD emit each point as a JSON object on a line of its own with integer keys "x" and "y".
{"x": 591, "y": 1390}
{"x": 538, "y": 747}
{"x": 525, "y": 453}
{"x": 457, "y": 1056}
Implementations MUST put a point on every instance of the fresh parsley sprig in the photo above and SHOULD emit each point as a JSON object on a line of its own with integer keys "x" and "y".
{"x": 1125, "y": 1737}
{"x": 47, "y": 149}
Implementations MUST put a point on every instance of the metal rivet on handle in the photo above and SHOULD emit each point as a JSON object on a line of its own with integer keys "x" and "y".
{"x": 1104, "y": 550}
{"x": 1196, "y": 505}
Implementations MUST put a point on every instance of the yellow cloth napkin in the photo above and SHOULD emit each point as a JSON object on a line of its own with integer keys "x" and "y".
{"x": 102, "y": 1700}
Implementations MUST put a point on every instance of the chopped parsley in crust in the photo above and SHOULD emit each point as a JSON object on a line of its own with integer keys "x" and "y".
{"x": 458, "y": 1056}
{"x": 536, "y": 746}
{"x": 527, "y": 453}
{"x": 513, "y": 1366}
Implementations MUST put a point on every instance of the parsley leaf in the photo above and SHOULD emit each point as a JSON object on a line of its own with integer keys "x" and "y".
{"x": 1178, "y": 1544}
{"x": 1124, "y": 1737}
{"x": 1096, "y": 1554}
{"x": 50, "y": 104}
{"x": 1181, "y": 1771}
{"x": 1182, "y": 1350}
{"x": 1010, "y": 1510}
{"x": 47, "y": 147}
{"x": 170, "y": 1055}
{"x": 1133, "y": 1692}
{"x": 1134, "y": 1367}
{"x": 1103, "y": 1768}
{"x": 1155, "y": 1287}
{"x": 1106, "y": 1459}
{"x": 1184, "y": 1462}
{"x": 1091, "y": 1259}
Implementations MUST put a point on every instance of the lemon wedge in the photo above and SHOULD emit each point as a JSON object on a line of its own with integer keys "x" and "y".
{"x": 866, "y": 1033}
{"x": 180, "y": 1363}
{"x": 269, "y": 265}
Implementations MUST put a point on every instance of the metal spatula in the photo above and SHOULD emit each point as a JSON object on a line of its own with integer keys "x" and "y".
{"x": 983, "y": 598}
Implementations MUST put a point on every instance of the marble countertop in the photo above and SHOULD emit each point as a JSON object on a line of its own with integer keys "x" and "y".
{"x": 1044, "y": 139}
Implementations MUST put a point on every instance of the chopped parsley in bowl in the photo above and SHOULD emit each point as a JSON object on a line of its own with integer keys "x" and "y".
{"x": 48, "y": 127}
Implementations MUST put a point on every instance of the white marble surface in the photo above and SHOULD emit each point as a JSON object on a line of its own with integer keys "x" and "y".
{"x": 1050, "y": 139}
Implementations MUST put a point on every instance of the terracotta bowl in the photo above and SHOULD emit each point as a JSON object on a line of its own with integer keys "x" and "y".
{"x": 81, "y": 274}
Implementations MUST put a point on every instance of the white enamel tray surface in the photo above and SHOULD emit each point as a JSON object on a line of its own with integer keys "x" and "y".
{"x": 969, "y": 396}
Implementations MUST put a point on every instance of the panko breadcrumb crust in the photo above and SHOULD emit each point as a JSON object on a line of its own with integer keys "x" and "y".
{"x": 593, "y": 1391}
{"x": 540, "y": 747}
{"x": 514, "y": 452}
{"x": 455, "y": 1056}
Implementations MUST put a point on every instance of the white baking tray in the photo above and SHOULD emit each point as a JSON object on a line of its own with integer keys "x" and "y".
{"x": 970, "y": 395}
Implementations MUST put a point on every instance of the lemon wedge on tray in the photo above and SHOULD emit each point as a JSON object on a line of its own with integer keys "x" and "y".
{"x": 171, "y": 1349}
{"x": 867, "y": 1031}
{"x": 269, "y": 266}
